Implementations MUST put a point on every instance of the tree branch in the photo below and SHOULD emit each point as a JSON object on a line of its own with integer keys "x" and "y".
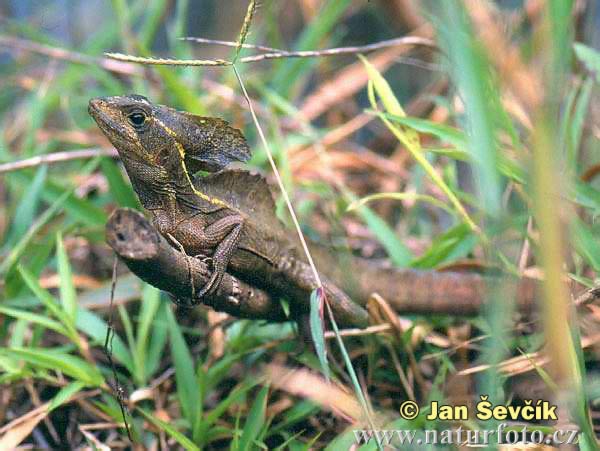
{"x": 149, "y": 256}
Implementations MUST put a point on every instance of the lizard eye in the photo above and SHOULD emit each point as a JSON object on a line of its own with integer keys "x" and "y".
{"x": 137, "y": 118}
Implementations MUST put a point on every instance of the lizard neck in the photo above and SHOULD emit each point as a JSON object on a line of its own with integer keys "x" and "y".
{"x": 169, "y": 186}
{"x": 186, "y": 192}
{"x": 151, "y": 184}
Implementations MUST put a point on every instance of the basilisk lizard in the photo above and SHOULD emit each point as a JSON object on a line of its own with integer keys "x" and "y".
{"x": 229, "y": 216}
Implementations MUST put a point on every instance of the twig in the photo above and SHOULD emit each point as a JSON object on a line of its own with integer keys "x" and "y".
{"x": 272, "y": 53}
{"x": 153, "y": 259}
{"x": 108, "y": 351}
{"x": 56, "y": 157}
{"x": 262, "y": 48}
{"x": 278, "y": 54}
{"x": 407, "y": 40}
{"x": 67, "y": 55}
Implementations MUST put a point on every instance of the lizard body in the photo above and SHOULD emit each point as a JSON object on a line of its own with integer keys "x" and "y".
{"x": 228, "y": 216}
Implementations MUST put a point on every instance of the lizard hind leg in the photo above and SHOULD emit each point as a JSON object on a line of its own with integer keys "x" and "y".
{"x": 226, "y": 232}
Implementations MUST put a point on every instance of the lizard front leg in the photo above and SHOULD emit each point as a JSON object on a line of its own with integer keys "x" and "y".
{"x": 225, "y": 234}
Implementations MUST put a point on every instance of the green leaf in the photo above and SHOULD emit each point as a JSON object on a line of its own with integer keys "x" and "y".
{"x": 455, "y": 154}
{"x": 401, "y": 196}
{"x": 578, "y": 118}
{"x": 586, "y": 243}
{"x": 398, "y": 252}
{"x": 443, "y": 132}
{"x": 473, "y": 77}
{"x": 235, "y": 395}
{"x": 589, "y": 57}
{"x": 295, "y": 414}
{"x": 65, "y": 394}
{"x": 255, "y": 421}
{"x": 390, "y": 103}
{"x": 458, "y": 139}
{"x": 49, "y": 301}
{"x": 153, "y": 17}
{"x": 41, "y": 221}
{"x": 58, "y": 361}
{"x": 188, "y": 390}
{"x": 586, "y": 196}
{"x": 383, "y": 89}
{"x": 68, "y": 295}
{"x": 150, "y": 304}
{"x": 170, "y": 430}
{"x": 158, "y": 340}
{"x": 317, "y": 301}
{"x": 81, "y": 210}
{"x": 37, "y": 256}
{"x": 34, "y": 318}
{"x": 455, "y": 242}
{"x": 25, "y": 212}
{"x": 95, "y": 327}
{"x": 121, "y": 190}
{"x": 410, "y": 139}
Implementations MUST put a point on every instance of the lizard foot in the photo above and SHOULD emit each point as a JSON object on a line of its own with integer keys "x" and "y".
{"x": 212, "y": 285}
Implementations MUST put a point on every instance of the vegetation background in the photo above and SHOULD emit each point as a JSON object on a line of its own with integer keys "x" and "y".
{"x": 489, "y": 165}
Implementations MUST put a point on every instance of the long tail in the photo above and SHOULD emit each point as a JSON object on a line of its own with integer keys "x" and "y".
{"x": 421, "y": 291}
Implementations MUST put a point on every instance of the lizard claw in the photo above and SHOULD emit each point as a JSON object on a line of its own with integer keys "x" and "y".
{"x": 211, "y": 286}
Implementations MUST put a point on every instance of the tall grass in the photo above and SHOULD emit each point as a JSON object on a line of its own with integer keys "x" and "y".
{"x": 514, "y": 117}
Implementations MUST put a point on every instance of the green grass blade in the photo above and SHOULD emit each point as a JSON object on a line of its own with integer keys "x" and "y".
{"x": 65, "y": 394}
{"x": 120, "y": 189}
{"x": 255, "y": 421}
{"x": 471, "y": 71}
{"x": 95, "y": 327}
{"x": 68, "y": 364}
{"x": 43, "y": 295}
{"x": 34, "y": 318}
{"x": 68, "y": 295}
{"x": 187, "y": 444}
{"x": 401, "y": 196}
{"x": 317, "y": 329}
{"x": 589, "y": 57}
{"x": 41, "y": 221}
{"x": 25, "y": 212}
{"x": 188, "y": 390}
{"x": 409, "y": 138}
{"x": 149, "y": 307}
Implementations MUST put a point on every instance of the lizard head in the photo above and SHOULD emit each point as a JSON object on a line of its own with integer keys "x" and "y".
{"x": 159, "y": 136}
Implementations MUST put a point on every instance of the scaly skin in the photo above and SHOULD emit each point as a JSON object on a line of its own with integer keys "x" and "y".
{"x": 228, "y": 216}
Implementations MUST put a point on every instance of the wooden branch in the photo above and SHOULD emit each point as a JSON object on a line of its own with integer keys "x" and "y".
{"x": 153, "y": 259}
{"x": 56, "y": 157}
{"x": 149, "y": 256}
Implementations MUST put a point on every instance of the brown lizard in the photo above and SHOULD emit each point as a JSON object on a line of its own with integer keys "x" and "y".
{"x": 230, "y": 216}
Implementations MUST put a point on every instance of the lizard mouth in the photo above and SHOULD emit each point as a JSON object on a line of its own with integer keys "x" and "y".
{"x": 97, "y": 109}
